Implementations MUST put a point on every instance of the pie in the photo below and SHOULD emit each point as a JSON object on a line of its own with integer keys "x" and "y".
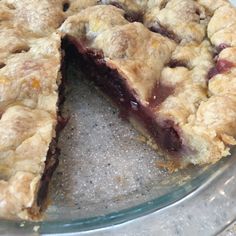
{"x": 169, "y": 65}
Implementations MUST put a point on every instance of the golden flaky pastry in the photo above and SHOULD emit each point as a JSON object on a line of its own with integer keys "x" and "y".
{"x": 169, "y": 64}
{"x": 30, "y": 61}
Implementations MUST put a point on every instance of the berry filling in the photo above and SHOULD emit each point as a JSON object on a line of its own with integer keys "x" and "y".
{"x": 159, "y": 95}
{"x": 50, "y": 166}
{"x": 176, "y": 63}
{"x": 222, "y": 66}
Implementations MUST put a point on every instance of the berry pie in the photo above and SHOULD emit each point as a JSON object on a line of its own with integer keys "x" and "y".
{"x": 169, "y": 66}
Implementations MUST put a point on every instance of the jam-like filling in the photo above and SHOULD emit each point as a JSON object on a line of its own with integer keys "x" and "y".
{"x": 92, "y": 63}
{"x": 222, "y": 66}
{"x": 50, "y": 166}
{"x": 159, "y": 95}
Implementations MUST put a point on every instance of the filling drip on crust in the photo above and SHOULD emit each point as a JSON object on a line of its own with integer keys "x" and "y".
{"x": 222, "y": 66}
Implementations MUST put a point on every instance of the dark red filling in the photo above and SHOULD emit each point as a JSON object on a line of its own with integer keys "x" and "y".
{"x": 92, "y": 63}
{"x": 2, "y": 65}
{"x": 222, "y": 66}
{"x": 159, "y": 95}
{"x": 50, "y": 166}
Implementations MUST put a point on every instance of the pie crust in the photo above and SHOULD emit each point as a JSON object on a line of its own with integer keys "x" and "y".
{"x": 169, "y": 65}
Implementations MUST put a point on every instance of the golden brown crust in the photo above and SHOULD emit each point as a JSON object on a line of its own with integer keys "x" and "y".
{"x": 179, "y": 56}
{"x": 39, "y": 16}
{"x": 182, "y": 17}
{"x": 21, "y": 166}
{"x": 29, "y": 77}
{"x": 128, "y": 53}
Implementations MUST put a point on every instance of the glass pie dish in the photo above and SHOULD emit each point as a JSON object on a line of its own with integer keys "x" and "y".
{"x": 111, "y": 182}
{"x": 109, "y": 176}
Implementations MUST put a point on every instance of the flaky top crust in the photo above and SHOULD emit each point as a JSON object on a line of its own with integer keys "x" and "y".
{"x": 127, "y": 52}
{"x": 41, "y": 17}
{"x": 177, "y": 44}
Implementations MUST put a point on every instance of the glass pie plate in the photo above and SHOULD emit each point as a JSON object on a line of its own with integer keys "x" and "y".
{"x": 110, "y": 182}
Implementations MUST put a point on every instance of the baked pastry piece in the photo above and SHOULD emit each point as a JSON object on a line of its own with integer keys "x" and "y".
{"x": 30, "y": 61}
{"x": 169, "y": 65}
{"x": 176, "y": 82}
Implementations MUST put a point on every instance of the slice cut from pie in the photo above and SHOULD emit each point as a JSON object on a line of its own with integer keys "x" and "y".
{"x": 28, "y": 84}
{"x": 30, "y": 61}
{"x": 160, "y": 80}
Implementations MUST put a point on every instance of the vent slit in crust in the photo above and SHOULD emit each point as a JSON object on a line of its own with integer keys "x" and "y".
{"x": 66, "y": 6}
{"x": 2, "y": 65}
{"x": 130, "y": 16}
{"x": 222, "y": 66}
{"x": 163, "y": 4}
{"x": 165, "y": 32}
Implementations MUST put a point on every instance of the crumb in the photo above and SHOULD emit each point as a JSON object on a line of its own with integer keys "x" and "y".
{"x": 141, "y": 138}
{"x": 170, "y": 166}
{"x": 36, "y": 228}
{"x": 118, "y": 179}
{"x": 22, "y": 224}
